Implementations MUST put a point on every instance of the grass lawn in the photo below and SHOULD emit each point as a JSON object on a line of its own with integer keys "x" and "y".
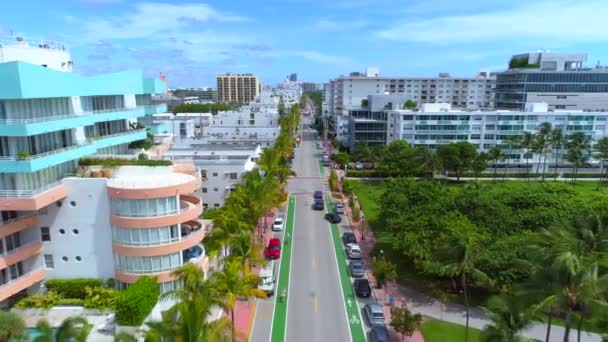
{"x": 439, "y": 331}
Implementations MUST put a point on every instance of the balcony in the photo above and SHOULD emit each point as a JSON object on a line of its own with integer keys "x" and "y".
{"x": 118, "y": 138}
{"x": 187, "y": 242}
{"x": 45, "y": 160}
{"x": 171, "y": 185}
{"x": 194, "y": 254}
{"x": 190, "y": 209}
{"x": 17, "y": 224}
{"x": 25, "y": 281}
{"x": 20, "y": 253}
{"x": 30, "y": 200}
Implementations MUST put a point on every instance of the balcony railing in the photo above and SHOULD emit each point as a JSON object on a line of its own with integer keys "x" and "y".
{"x": 70, "y": 116}
{"x": 28, "y": 193}
{"x": 15, "y": 219}
{"x": 18, "y": 248}
{"x": 20, "y": 278}
{"x": 133, "y": 131}
{"x": 46, "y": 154}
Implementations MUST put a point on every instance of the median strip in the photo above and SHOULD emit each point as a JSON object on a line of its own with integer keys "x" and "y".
{"x": 279, "y": 316}
{"x": 351, "y": 304}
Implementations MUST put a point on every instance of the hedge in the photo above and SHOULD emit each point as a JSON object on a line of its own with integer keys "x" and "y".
{"x": 135, "y": 303}
{"x": 582, "y": 175}
{"x": 365, "y": 174}
{"x": 115, "y": 162}
{"x": 72, "y": 288}
{"x": 71, "y": 302}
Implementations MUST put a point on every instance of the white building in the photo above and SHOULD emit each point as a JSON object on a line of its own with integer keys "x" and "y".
{"x": 49, "y": 54}
{"x": 221, "y": 166}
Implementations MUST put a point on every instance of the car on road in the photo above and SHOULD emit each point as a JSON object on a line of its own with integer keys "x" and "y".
{"x": 317, "y": 194}
{"x": 333, "y": 217}
{"x": 353, "y": 251}
{"x": 273, "y": 250}
{"x": 379, "y": 333}
{"x": 355, "y": 267}
{"x": 362, "y": 287}
{"x": 349, "y": 238}
{"x": 267, "y": 280}
{"x": 318, "y": 205}
{"x": 278, "y": 223}
{"x": 374, "y": 314}
{"x": 358, "y": 166}
{"x": 339, "y": 208}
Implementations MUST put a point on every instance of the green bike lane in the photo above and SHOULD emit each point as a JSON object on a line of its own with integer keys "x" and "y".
{"x": 279, "y": 317}
{"x": 357, "y": 330}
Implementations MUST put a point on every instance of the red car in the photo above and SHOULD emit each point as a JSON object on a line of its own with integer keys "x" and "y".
{"x": 299, "y": 139}
{"x": 273, "y": 251}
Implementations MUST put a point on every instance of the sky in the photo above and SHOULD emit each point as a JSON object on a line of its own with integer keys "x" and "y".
{"x": 192, "y": 41}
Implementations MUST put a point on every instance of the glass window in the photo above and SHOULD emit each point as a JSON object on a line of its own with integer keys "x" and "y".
{"x": 144, "y": 207}
{"x": 48, "y": 261}
{"x": 45, "y": 234}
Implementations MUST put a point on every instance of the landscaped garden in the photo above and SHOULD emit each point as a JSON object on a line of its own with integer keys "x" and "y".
{"x": 439, "y": 331}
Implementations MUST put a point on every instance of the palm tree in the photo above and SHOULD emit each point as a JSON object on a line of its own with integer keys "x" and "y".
{"x": 527, "y": 142}
{"x": 592, "y": 234}
{"x": 73, "y": 329}
{"x": 188, "y": 319}
{"x": 495, "y": 154}
{"x": 578, "y": 151}
{"x": 232, "y": 284}
{"x": 542, "y": 141}
{"x": 124, "y": 336}
{"x": 558, "y": 139}
{"x": 273, "y": 165}
{"x": 45, "y": 332}
{"x": 514, "y": 142}
{"x": 245, "y": 251}
{"x": 509, "y": 317}
{"x": 462, "y": 257}
{"x": 593, "y": 288}
{"x": 12, "y": 326}
{"x": 601, "y": 153}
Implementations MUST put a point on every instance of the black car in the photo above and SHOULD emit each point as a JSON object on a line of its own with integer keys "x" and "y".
{"x": 318, "y": 195}
{"x": 349, "y": 238}
{"x": 379, "y": 333}
{"x": 318, "y": 205}
{"x": 362, "y": 288}
{"x": 333, "y": 218}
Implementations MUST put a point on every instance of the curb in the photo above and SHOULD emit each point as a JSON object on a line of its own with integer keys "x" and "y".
{"x": 251, "y": 316}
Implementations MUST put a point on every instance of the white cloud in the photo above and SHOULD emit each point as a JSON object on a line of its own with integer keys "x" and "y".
{"x": 101, "y": 2}
{"x": 554, "y": 21}
{"x": 334, "y": 25}
{"x": 150, "y": 19}
{"x": 313, "y": 56}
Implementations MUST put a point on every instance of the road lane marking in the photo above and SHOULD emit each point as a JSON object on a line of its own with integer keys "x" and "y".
{"x": 316, "y": 304}
{"x": 314, "y": 263}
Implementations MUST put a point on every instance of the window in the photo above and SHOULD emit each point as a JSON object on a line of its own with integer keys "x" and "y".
{"x": 78, "y": 259}
{"x": 48, "y": 261}
{"x": 64, "y": 258}
{"x": 488, "y": 136}
{"x": 61, "y": 231}
{"x": 204, "y": 190}
{"x": 214, "y": 174}
{"x": 45, "y": 234}
{"x": 16, "y": 270}
{"x": 216, "y": 205}
{"x": 75, "y": 231}
{"x": 234, "y": 175}
{"x": 72, "y": 204}
{"x": 216, "y": 189}
{"x": 12, "y": 241}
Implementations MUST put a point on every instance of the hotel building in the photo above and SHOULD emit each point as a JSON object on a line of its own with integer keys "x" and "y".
{"x": 241, "y": 88}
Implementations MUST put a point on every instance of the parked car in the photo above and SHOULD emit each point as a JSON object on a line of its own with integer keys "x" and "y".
{"x": 374, "y": 314}
{"x": 273, "y": 250}
{"x": 267, "y": 278}
{"x": 339, "y": 208}
{"x": 349, "y": 238}
{"x": 362, "y": 287}
{"x": 358, "y": 166}
{"x": 355, "y": 267}
{"x": 318, "y": 205}
{"x": 353, "y": 251}
{"x": 318, "y": 194}
{"x": 369, "y": 165}
{"x": 277, "y": 224}
{"x": 333, "y": 218}
{"x": 379, "y": 333}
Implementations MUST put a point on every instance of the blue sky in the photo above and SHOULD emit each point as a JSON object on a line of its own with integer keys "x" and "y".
{"x": 192, "y": 41}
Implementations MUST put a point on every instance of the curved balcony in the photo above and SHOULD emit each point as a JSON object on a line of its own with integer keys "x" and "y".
{"x": 25, "y": 281}
{"x": 189, "y": 241}
{"x": 30, "y": 200}
{"x": 191, "y": 209}
{"x": 179, "y": 184}
{"x": 161, "y": 277}
{"x": 17, "y": 224}
{"x": 20, "y": 253}
{"x": 194, "y": 254}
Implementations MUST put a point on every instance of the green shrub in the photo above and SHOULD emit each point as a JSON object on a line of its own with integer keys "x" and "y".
{"x": 115, "y": 162}
{"x": 135, "y": 303}
{"x": 71, "y": 302}
{"x": 39, "y": 301}
{"x": 100, "y": 298}
{"x": 23, "y": 154}
{"x": 582, "y": 175}
{"x": 366, "y": 173}
{"x": 72, "y": 288}
{"x": 356, "y": 214}
{"x": 110, "y": 283}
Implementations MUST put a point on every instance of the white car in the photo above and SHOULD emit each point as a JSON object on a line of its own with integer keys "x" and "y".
{"x": 358, "y": 166}
{"x": 278, "y": 223}
{"x": 353, "y": 251}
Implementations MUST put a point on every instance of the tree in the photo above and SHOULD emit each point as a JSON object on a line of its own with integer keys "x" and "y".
{"x": 527, "y": 142}
{"x": 74, "y": 329}
{"x": 333, "y": 181}
{"x": 245, "y": 251}
{"x": 45, "y": 332}
{"x": 558, "y": 139}
{"x": 514, "y": 142}
{"x": 479, "y": 164}
{"x": 409, "y": 104}
{"x": 542, "y": 140}
{"x": 457, "y": 157}
{"x": 281, "y": 106}
{"x": 462, "y": 256}
{"x": 578, "y": 151}
{"x": 404, "y": 322}
{"x": 495, "y": 154}
{"x": 398, "y": 160}
{"x": 384, "y": 271}
{"x": 341, "y": 158}
{"x": 361, "y": 152}
{"x": 231, "y": 284}
{"x": 509, "y": 316}
{"x": 364, "y": 103}
{"x": 11, "y": 326}
{"x": 601, "y": 153}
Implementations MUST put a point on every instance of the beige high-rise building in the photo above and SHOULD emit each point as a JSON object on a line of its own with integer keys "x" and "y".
{"x": 242, "y": 88}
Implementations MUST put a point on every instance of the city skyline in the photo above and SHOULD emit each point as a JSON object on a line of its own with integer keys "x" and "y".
{"x": 193, "y": 42}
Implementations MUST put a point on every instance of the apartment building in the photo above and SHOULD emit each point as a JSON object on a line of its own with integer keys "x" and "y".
{"x": 201, "y": 94}
{"x": 48, "y": 54}
{"x": 437, "y": 124}
{"x": 57, "y": 225}
{"x": 347, "y": 92}
{"x": 558, "y": 79}
{"x": 241, "y": 88}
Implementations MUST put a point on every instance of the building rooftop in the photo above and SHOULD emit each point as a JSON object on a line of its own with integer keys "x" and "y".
{"x": 144, "y": 177}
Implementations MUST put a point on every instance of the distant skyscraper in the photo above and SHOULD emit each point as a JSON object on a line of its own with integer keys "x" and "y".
{"x": 293, "y": 77}
{"x": 242, "y": 88}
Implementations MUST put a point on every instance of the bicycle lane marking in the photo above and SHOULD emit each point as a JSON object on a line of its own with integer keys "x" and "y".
{"x": 279, "y": 311}
{"x": 351, "y": 304}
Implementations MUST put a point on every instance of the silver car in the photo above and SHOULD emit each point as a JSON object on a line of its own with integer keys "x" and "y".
{"x": 374, "y": 314}
{"x": 339, "y": 208}
{"x": 356, "y": 269}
